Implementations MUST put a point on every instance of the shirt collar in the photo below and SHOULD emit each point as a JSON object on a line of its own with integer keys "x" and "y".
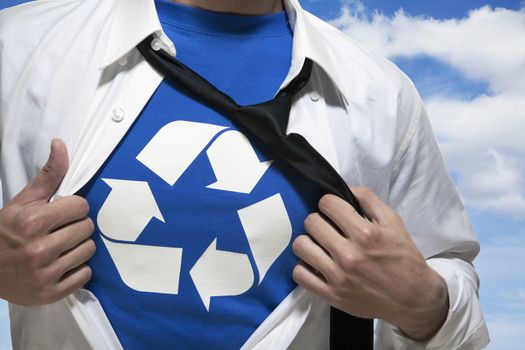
{"x": 125, "y": 34}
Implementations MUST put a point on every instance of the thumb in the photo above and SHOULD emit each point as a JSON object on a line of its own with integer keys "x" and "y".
{"x": 48, "y": 179}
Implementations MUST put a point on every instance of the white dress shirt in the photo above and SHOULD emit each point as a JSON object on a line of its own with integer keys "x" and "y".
{"x": 69, "y": 69}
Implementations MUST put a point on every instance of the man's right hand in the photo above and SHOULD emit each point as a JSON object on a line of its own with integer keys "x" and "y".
{"x": 44, "y": 246}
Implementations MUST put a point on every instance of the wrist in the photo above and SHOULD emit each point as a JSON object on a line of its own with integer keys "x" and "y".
{"x": 428, "y": 310}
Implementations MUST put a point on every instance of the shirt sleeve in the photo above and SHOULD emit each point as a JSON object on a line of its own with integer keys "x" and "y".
{"x": 423, "y": 194}
{"x": 464, "y": 328}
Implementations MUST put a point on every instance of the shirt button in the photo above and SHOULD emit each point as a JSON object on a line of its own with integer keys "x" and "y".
{"x": 117, "y": 115}
{"x": 156, "y": 44}
{"x": 314, "y": 96}
{"x": 123, "y": 61}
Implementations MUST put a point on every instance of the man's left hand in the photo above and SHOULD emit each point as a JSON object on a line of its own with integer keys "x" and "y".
{"x": 370, "y": 269}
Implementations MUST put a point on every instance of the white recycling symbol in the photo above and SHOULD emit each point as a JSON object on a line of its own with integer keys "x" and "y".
{"x": 216, "y": 273}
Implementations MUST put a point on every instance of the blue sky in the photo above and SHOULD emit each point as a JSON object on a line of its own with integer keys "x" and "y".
{"x": 467, "y": 59}
{"x": 329, "y": 9}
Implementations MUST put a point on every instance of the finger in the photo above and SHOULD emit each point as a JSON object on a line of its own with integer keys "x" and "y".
{"x": 49, "y": 217}
{"x": 373, "y": 206}
{"x": 324, "y": 233}
{"x": 308, "y": 251}
{"x": 311, "y": 281}
{"x": 48, "y": 179}
{"x": 70, "y": 236}
{"x": 66, "y": 210}
{"x": 75, "y": 257}
{"x": 342, "y": 214}
{"x": 73, "y": 280}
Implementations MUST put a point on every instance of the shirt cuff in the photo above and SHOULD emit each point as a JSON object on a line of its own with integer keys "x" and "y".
{"x": 464, "y": 327}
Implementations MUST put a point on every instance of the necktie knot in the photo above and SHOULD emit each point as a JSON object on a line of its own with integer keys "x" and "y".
{"x": 262, "y": 119}
{"x": 269, "y": 120}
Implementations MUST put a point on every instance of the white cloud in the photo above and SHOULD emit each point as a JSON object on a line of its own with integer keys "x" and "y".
{"x": 487, "y": 45}
{"x": 491, "y": 182}
{"x": 482, "y": 139}
{"x": 486, "y": 121}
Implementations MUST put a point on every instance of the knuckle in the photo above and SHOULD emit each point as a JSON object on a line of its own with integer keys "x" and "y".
{"x": 82, "y": 205}
{"x": 349, "y": 262}
{"x": 87, "y": 227}
{"x": 346, "y": 262}
{"x": 91, "y": 248}
{"x": 45, "y": 296}
{"x": 77, "y": 204}
{"x": 332, "y": 271}
{"x": 339, "y": 296}
{"x": 46, "y": 170}
{"x": 368, "y": 236}
{"x": 365, "y": 191}
{"x": 365, "y": 231}
{"x": 338, "y": 279}
{"x": 297, "y": 274}
{"x": 35, "y": 253}
{"x": 42, "y": 279}
{"x": 325, "y": 200}
{"x": 393, "y": 216}
{"x": 9, "y": 214}
{"x": 300, "y": 243}
{"x": 90, "y": 225}
{"x": 87, "y": 273}
{"x": 31, "y": 223}
{"x": 311, "y": 221}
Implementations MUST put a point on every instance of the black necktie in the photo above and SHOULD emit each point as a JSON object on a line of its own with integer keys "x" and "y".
{"x": 268, "y": 122}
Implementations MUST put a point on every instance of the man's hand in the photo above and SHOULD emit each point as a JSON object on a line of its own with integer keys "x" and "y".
{"x": 370, "y": 269}
{"x": 44, "y": 246}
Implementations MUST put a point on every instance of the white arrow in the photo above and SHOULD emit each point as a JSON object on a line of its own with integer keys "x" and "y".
{"x": 172, "y": 150}
{"x": 147, "y": 268}
{"x": 127, "y": 210}
{"x": 221, "y": 273}
{"x": 268, "y": 229}
{"x": 235, "y": 163}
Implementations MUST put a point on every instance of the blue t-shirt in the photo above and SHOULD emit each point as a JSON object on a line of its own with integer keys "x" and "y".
{"x": 9, "y": 3}
{"x": 194, "y": 220}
